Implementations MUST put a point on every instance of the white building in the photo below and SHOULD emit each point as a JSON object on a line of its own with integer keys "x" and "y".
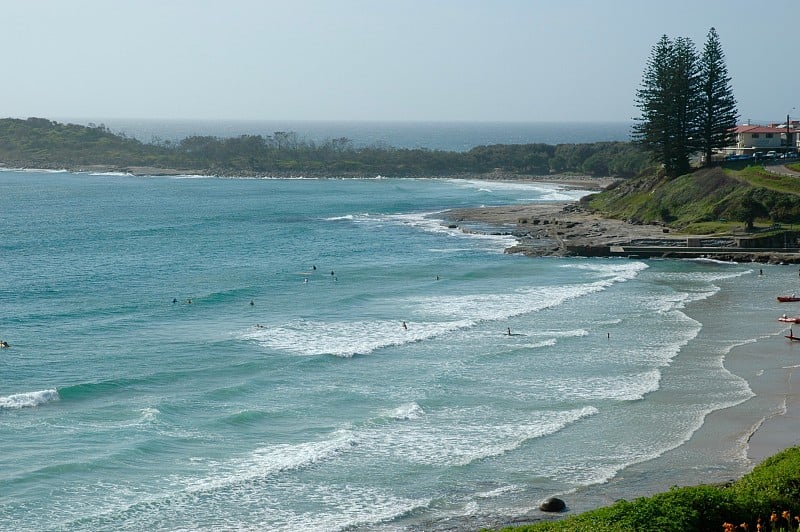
{"x": 774, "y": 137}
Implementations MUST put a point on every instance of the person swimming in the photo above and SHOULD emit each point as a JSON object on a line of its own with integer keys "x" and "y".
{"x": 3, "y": 343}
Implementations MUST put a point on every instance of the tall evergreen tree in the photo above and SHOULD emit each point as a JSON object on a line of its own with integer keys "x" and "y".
{"x": 684, "y": 89}
{"x": 686, "y": 102}
{"x": 652, "y": 129}
{"x": 668, "y": 99}
{"x": 718, "y": 113}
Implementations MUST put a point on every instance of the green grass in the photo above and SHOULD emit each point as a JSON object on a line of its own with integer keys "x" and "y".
{"x": 708, "y": 201}
{"x": 757, "y": 176}
{"x": 772, "y": 486}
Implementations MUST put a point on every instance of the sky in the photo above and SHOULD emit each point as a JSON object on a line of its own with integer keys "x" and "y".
{"x": 378, "y": 60}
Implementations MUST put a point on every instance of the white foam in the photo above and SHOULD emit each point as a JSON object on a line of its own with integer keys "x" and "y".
{"x": 546, "y": 191}
{"x": 427, "y": 222}
{"x": 458, "y": 437}
{"x": 346, "y": 339}
{"x": 494, "y": 306}
{"x": 497, "y": 492}
{"x": 712, "y": 261}
{"x": 149, "y": 414}
{"x": 29, "y": 399}
{"x": 406, "y": 412}
{"x": 631, "y": 387}
{"x": 544, "y": 343}
{"x": 271, "y": 460}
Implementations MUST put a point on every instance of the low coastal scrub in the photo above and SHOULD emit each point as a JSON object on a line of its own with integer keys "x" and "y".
{"x": 41, "y": 143}
{"x": 767, "y": 499}
{"x": 720, "y": 197}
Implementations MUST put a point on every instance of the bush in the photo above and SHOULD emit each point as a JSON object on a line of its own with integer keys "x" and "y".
{"x": 770, "y": 495}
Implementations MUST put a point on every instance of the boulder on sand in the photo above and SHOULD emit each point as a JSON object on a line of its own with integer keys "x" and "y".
{"x": 553, "y": 504}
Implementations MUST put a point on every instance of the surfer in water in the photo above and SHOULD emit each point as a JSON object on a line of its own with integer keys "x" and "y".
{"x": 3, "y": 344}
{"x": 405, "y": 326}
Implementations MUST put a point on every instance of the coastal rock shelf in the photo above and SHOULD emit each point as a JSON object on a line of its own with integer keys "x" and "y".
{"x": 569, "y": 230}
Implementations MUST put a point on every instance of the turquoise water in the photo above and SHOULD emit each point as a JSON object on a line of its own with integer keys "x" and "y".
{"x": 202, "y": 353}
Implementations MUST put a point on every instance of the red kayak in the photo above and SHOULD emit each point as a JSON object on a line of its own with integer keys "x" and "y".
{"x": 789, "y": 319}
{"x": 788, "y": 299}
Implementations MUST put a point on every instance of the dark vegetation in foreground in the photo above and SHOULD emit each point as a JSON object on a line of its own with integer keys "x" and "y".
{"x": 769, "y": 495}
{"x": 41, "y": 143}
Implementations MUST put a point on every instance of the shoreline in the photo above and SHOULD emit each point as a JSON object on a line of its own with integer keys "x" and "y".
{"x": 562, "y": 229}
{"x": 568, "y": 180}
{"x": 739, "y": 436}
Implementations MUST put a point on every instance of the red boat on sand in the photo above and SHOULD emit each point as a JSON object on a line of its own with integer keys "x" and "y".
{"x": 788, "y": 299}
{"x": 789, "y": 319}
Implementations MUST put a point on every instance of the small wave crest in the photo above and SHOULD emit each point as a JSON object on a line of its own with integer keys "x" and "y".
{"x": 347, "y": 339}
{"x": 28, "y": 400}
{"x": 346, "y": 217}
{"x": 406, "y": 412}
{"x": 268, "y": 461}
{"x": 460, "y": 437}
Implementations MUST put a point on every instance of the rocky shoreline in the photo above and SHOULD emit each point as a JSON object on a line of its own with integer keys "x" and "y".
{"x": 570, "y": 229}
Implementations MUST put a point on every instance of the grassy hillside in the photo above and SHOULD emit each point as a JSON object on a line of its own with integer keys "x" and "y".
{"x": 706, "y": 201}
{"x": 770, "y": 494}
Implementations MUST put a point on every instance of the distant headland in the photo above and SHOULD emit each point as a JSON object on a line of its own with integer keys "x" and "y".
{"x": 43, "y": 143}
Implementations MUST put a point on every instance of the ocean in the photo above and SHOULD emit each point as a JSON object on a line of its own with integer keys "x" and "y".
{"x": 200, "y": 353}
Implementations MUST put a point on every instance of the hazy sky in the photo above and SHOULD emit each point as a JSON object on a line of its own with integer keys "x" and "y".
{"x": 428, "y": 60}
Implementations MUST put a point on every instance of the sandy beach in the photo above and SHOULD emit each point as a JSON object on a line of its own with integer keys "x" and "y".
{"x": 737, "y": 437}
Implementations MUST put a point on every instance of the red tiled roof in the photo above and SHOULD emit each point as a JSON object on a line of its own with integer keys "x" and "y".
{"x": 759, "y": 129}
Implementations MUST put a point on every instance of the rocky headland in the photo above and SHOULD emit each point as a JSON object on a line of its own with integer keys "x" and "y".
{"x": 571, "y": 229}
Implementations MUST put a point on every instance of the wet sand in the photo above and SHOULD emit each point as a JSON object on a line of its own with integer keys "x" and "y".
{"x": 732, "y": 440}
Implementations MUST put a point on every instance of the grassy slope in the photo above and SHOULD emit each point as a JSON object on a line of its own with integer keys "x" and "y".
{"x": 772, "y": 486}
{"x": 706, "y": 201}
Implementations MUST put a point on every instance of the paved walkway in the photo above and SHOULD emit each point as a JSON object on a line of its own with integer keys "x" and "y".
{"x": 781, "y": 169}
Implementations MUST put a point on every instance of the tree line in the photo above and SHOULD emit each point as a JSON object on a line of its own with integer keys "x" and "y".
{"x": 38, "y": 142}
{"x": 686, "y": 102}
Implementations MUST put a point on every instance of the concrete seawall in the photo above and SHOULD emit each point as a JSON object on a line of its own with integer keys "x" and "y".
{"x": 764, "y": 255}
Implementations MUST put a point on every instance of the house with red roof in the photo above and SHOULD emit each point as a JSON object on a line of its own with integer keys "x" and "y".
{"x": 752, "y": 139}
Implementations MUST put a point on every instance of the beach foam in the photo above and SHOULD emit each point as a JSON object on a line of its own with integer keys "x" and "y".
{"x": 28, "y": 399}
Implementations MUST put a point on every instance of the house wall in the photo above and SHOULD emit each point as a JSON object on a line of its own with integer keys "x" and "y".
{"x": 759, "y": 140}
